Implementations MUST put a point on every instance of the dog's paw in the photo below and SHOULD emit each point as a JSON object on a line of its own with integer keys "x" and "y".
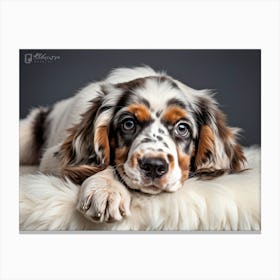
{"x": 103, "y": 199}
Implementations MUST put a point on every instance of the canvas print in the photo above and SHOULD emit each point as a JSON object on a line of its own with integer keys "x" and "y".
{"x": 139, "y": 140}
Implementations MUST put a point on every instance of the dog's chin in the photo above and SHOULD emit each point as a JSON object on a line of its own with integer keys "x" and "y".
{"x": 151, "y": 189}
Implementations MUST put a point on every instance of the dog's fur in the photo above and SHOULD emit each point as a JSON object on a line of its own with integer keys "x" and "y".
{"x": 139, "y": 129}
{"x": 229, "y": 202}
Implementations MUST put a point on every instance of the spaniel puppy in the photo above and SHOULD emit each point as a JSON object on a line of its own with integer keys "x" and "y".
{"x": 138, "y": 129}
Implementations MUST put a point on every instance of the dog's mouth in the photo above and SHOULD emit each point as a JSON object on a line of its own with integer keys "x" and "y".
{"x": 142, "y": 184}
{"x": 151, "y": 189}
{"x": 146, "y": 186}
{"x": 149, "y": 186}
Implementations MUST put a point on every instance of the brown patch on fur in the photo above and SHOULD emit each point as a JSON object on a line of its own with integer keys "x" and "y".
{"x": 140, "y": 111}
{"x": 120, "y": 158}
{"x": 232, "y": 149}
{"x": 173, "y": 114}
{"x": 66, "y": 153}
{"x": 171, "y": 162}
{"x": 206, "y": 150}
{"x": 101, "y": 138}
{"x": 121, "y": 155}
{"x": 206, "y": 144}
{"x": 80, "y": 169}
{"x": 238, "y": 158}
{"x": 221, "y": 121}
{"x": 184, "y": 163}
{"x": 79, "y": 173}
{"x": 209, "y": 174}
{"x": 163, "y": 180}
{"x": 134, "y": 159}
{"x": 84, "y": 130}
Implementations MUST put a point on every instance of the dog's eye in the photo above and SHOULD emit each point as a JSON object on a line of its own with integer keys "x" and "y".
{"x": 128, "y": 125}
{"x": 182, "y": 129}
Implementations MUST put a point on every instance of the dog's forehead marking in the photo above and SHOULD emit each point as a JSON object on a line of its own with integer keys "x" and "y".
{"x": 141, "y": 112}
{"x": 173, "y": 113}
{"x": 151, "y": 135}
{"x": 159, "y": 138}
{"x": 158, "y": 93}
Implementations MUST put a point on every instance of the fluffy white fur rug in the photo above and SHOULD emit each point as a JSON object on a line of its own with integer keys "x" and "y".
{"x": 230, "y": 202}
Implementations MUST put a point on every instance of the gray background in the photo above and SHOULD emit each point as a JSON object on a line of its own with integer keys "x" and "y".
{"x": 234, "y": 74}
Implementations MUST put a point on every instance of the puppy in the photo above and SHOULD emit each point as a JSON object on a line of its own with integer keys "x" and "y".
{"x": 138, "y": 129}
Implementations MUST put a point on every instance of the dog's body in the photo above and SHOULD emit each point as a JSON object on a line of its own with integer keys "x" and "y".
{"x": 138, "y": 129}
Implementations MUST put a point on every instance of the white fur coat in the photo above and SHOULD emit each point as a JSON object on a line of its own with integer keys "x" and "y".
{"x": 229, "y": 202}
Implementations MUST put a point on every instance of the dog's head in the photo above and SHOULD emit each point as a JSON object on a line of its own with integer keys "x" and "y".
{"x": 155, "y": 131}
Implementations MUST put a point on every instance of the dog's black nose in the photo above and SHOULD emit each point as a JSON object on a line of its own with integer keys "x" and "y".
{"x": 153, "y": 167}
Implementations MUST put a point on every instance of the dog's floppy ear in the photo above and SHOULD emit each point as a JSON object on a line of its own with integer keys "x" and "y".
{"x": 217, "y": 151}
{"x": 86, "y": 150}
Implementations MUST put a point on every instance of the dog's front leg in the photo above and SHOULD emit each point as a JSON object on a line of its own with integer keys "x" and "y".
{"x": 103, "y": 198}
